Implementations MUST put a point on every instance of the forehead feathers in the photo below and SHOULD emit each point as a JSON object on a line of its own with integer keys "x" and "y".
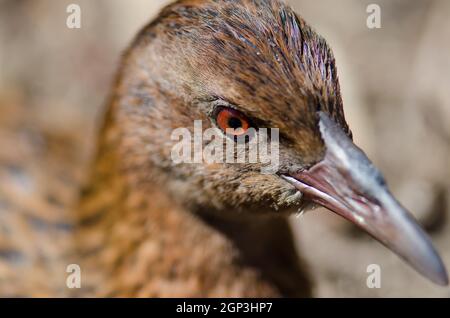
{"x": 259, "y": 55}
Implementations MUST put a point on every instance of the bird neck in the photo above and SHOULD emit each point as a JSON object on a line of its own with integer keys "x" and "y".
{"x": 134, "y": 240}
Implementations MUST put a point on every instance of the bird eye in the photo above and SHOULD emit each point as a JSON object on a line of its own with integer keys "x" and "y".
{"x": 231, "y": 121}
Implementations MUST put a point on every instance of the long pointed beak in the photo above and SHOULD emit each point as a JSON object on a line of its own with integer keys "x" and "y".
{"x": 347, "y": 183}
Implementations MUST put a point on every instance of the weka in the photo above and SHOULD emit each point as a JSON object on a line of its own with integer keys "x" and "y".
{"x": 145, "y": 226}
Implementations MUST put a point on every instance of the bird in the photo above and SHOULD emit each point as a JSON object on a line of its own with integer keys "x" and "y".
{"x": 145, "y": 226}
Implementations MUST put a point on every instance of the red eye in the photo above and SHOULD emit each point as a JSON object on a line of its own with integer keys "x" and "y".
{"x": 232, "y": 121}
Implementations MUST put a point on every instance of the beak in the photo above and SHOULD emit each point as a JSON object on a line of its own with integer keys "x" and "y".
{"x": 347, "y": 183}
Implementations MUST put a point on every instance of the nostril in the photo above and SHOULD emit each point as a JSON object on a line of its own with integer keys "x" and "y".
{"x": 429, "y": 203}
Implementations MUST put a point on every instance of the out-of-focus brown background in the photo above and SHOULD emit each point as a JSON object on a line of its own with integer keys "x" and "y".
{"x": 396, "y": 89}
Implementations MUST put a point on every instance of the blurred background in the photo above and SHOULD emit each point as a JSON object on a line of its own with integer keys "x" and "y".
{"x": 395, "y": 83}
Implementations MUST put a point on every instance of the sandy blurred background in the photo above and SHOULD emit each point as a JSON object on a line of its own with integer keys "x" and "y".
{"x": 396, "y": 89}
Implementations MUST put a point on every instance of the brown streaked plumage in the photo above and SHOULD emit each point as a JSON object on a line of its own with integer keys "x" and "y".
{"x": 147, "y": 227}
{"x": 173, "y": 95}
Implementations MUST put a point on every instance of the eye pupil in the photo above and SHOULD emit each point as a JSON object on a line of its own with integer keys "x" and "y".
{"x": 235, "y": 123}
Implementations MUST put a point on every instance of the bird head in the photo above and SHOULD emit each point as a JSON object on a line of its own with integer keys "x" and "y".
{"x": 247, "y": 64}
